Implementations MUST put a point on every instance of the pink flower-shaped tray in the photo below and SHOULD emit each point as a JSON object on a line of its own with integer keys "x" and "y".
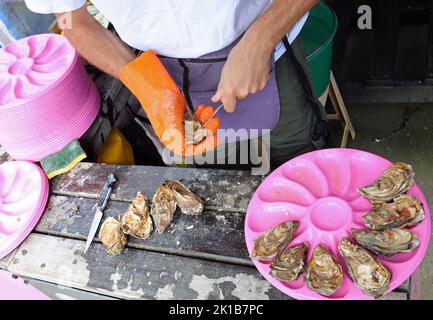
{"x": 23, "y": 197}
{"x": 319, "y": 190}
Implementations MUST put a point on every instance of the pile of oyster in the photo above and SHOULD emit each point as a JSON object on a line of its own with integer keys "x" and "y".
{"x": 138, "y": 221}
{"x": 392, "y": 211}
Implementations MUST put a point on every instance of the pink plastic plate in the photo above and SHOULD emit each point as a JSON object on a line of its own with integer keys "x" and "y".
{"x": 14, "y": 288}
{"x": 319, "y": 190}
{"x": 23, "y": 197}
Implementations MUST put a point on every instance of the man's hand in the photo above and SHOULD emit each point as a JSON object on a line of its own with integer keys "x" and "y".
{"x": 245, "y": 72}
{"x": 247, "y": 68}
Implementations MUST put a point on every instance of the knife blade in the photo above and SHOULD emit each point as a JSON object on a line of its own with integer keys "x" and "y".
{"x": 99, "y": 211}
{"x": 213, "y": 115}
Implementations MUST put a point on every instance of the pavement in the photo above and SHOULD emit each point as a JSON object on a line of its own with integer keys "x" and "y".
{"x": 399, "y": 132}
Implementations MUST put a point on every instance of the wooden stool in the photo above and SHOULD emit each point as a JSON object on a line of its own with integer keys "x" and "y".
{"x": 341, "y": 114}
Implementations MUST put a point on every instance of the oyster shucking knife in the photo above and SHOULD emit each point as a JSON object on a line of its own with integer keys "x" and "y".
{"x": 102, "y": 203}
{"x": 213, "y": 115}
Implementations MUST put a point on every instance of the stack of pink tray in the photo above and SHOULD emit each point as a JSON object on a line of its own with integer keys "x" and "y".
{"x": 46, "y": 97}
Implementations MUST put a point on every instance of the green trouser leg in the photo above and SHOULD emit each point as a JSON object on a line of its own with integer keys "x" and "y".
{"x": 292, "y": 135}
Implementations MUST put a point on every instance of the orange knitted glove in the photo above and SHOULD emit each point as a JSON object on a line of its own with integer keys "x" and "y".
{"x": 165, "y": 106}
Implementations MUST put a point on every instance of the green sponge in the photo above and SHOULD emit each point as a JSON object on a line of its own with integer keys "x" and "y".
{"x": 64, "y": 160}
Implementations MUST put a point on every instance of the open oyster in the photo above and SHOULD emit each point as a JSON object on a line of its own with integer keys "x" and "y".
{"x": 268, "y": 245}
{"x": 163, "y": 207}
{"x": 367, "y": 273}
{"x": 324, "y": 274}
{"x": 393, "y": 182}
{"x": 194, "y": 132}
{"x": 387, "y": 242}
{"x": 187, "y": 201}
{"x": 136, "y": 221}
{"x": 290, "y": 263}
{"x": 112, "y": 236}
{"x": 403, "y": 211}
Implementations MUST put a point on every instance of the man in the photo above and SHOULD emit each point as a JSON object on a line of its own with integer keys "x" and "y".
{"x": 216, "y": 51}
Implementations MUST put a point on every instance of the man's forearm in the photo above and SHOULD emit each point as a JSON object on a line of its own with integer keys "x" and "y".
{"x": 268, "y": 30}
{"x": 97, "y": 45}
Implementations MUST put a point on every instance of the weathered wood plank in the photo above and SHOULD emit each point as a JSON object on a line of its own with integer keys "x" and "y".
{"x": 415, "y": 285}
{"x": 4, "y": 263}
{"x": 58, "y": 292}
{"x": 395, "y": 296}
{"x": 222, "y": 190}
{"x": 136, "y": 274}
{"x": 213, "y": 235}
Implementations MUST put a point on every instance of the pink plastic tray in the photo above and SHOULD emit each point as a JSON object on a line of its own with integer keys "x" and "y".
{"x": 14, "y": 288}
{"x": 319, "y": 190}
{"x": 46, "y": 97}
{"x": 23, "y": 197}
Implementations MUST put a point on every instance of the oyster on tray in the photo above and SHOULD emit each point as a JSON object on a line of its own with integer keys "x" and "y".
{"x": 272, "y": 242}
{"x": 367, "y": 273}
{"x": 324, "y": 273}
{"x": 403, "y": 211}
{"x": 387, "y": 242}
{"x": 136, "y": 221}
{"x": 187, "y": 201}
{"x": 163, "y": 207}
{"x": 290, "y": 263}
{"x": 112, "y": 236}
{"x": 392, "y": 183}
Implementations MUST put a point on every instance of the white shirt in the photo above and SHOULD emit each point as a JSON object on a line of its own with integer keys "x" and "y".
{"x": 175, "y": 28}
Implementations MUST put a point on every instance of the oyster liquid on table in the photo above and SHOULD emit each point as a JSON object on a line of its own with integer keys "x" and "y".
{"x": 290, "y": 263}
{"x": 367, "y": 273}
{"x": 268, "y": 245}
{"x": 194, "y": 132}
{"x": 324, "y": 273}
{"x": 403, "y": 211}
{"x": 163, "y": 207}
{"x": 112, "y": 236}
{"x": 188, "y": 202}
{"x": 387, "y": 242}
{"x": 392, "y": 183}
{"x": 136, "y": 221}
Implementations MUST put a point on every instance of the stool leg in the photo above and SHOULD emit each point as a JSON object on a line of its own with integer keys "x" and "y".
{"x": 337, "y": 101}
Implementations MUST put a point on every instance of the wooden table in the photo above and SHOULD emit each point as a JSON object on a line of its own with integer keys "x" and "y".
{"x": 202, "y": 257}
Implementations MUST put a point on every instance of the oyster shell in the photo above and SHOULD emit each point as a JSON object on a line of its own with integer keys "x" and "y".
{"x": 402, "y": 212}
{"x": 392, "y": 183}
{"x": 136, "y": 221}
{"x": 163, "y": 207}
{"x": 269, "y": 244}
{"x": 194, "y": 133}
{"x": 112, "y": 236}
{"x": 324, "y": 273}
{"x": 187, "y": 201}
{"x": 290, "y": 263}
{"x": 367, "y": 273}
{"x": 387, "y": 242}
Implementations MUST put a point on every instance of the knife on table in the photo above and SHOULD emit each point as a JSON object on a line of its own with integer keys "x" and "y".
{"x": 99, "y": 211}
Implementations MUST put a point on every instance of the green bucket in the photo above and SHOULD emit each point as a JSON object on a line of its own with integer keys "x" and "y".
{"x": 317, "y": 38}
